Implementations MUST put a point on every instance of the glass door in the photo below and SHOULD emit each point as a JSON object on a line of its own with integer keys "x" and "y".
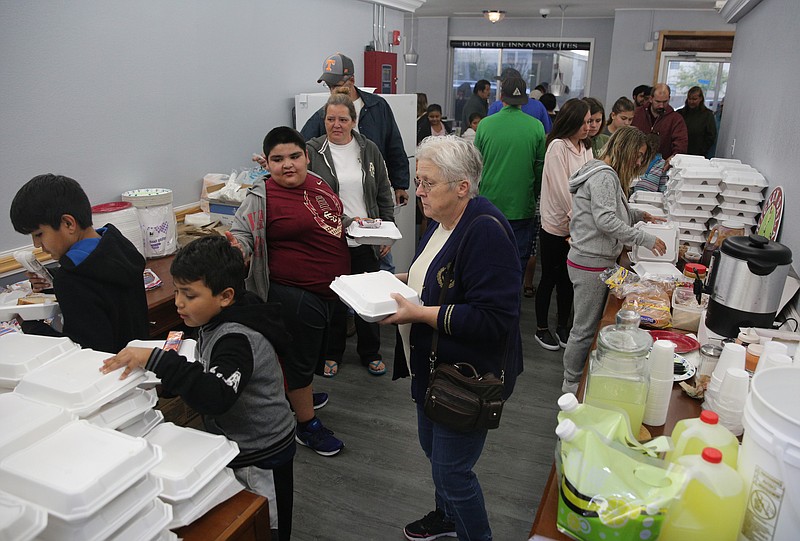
{"x": 682, "y": 71}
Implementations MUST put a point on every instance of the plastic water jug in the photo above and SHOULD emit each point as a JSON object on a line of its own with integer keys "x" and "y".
{"x": 618, "y": 377}
{"x": 691, "y": 436}
{"x": 713, "y": 502}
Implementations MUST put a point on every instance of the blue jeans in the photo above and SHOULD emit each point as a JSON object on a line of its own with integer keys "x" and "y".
{"x": 523, "y": 231}
{"x": 458, "y": 492}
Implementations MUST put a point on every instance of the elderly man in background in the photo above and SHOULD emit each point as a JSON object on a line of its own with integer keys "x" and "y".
{"x": 660, "y": 118}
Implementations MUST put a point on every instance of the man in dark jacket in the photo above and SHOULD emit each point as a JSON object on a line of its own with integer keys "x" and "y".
{"x": 375, "y": 121}
{"x": 660, "y": 118}
{"x": 477, "y": 103}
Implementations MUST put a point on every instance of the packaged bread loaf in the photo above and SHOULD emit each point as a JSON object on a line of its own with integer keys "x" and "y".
{"x": 652, "y": 303}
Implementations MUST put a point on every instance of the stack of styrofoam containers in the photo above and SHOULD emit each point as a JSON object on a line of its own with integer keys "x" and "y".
{"x": 194, "y": 473}
{"x": 692, "y": 194}
{"x": 23, "y": 353}
{"x": 742, "y": 193}
{"x": 20, "y": 520}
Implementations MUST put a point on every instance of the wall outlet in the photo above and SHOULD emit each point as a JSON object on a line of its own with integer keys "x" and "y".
{"x": 648, "y": 45}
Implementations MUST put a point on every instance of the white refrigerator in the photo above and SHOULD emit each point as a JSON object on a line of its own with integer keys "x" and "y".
{"x": 404, "y": 108}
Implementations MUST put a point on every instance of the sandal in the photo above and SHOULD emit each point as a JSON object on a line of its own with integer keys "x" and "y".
{"x": 331, "y": 369}
{"x": 529, "y": 291}
{"x": 376, "y": 367}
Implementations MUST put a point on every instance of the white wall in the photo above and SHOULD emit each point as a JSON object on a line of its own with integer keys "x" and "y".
{"x": 759, "y": 112}
{"x": 434, "y": 34}
{"x": 633, "y": 65}
{"x": 122, "y": 95}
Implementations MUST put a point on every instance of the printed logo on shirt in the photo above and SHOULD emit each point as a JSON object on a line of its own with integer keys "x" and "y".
{"x": 329, "y": 219}
{"x": 232, "y": 381}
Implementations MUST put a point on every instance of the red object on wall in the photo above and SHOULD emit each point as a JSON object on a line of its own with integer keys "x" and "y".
{"x": 380, "y": 71}
{"x": 395, "y": 37}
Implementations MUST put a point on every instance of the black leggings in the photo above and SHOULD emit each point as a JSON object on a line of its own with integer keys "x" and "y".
{"x": 553, "y": 252}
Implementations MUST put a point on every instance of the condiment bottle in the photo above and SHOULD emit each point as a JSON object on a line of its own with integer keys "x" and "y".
{"x": 691, "y": 436}
{"x": 713, "y": 502}
{"x": 618, "y": 377}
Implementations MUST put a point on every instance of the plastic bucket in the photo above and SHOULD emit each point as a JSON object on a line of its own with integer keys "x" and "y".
{"x": 157, "y": 220}
{"x": 769, "y": 460}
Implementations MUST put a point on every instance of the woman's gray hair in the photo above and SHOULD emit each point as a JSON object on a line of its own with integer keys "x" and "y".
{"x": 456, "y": 158}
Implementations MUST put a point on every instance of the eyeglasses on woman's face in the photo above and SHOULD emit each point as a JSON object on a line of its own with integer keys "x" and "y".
{"x": 427, "y": 185}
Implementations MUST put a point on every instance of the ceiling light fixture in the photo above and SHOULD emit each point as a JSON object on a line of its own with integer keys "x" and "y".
{"x": 494, "y": 15}
{"x": 411, "y": 57}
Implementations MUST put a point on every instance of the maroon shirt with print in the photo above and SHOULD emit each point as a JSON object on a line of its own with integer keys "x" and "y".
{"x": 305, "y": 236}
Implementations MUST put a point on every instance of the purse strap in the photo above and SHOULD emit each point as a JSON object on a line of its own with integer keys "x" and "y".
{"x": 446, "y": 278}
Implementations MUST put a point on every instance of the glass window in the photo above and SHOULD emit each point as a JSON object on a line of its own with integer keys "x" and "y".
{"x": 710, "y": 74}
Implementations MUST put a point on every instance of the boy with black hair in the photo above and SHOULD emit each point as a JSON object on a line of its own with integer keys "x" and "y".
{"x": 237, "y": 383}
{"x": 99, "y": 287}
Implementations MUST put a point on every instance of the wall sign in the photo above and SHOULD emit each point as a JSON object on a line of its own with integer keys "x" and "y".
{"x": 516, "y": 44}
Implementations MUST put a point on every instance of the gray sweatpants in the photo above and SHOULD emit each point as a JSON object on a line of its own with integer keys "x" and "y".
{"x": 590, "y": 300}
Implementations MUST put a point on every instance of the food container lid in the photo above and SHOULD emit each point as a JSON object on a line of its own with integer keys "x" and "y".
{"x": 74, "y": 382}
{"x": 191, "y": 459}
{"x": 668, "y": 232}
{"x": 77, "y": 469}
{"x": 114, "y": 206}
{"x": 223, "y": 486}
{"x": 20, "y": 520}
{"x": 757, "y": 250}
{"x": 24, "y": 421}
{"x": 146, "y": 524}
{"x": 694, "y": 268}
{"x": 369, "y": 293}
{"x": 124, "y": 409}
{"x": 23, "y": 353}
{"x": 141, "y": 426}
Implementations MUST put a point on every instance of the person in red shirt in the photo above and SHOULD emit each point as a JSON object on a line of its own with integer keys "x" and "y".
{"x": 660, "y": 118}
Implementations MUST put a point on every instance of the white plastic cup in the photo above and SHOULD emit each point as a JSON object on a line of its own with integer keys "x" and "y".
{"x": 732, "y": 356}
{"x": 775, "y": 359}
{"x": 734, "y": 389}
{"x": 662, "y": 360}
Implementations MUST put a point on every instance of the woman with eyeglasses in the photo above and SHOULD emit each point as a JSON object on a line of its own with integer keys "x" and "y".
{"x": 353, "y": 166}
{"x": 602, "y": 223}
{"x": 469, "y": 249}
{"x": 568, "y": 148}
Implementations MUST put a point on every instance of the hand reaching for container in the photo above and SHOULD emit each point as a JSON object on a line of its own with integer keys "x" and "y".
{"x": 130, "y": 358}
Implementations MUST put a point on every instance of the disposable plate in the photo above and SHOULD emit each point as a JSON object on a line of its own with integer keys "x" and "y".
{"x": 77, "y": 469}
{"x": 24, "y": 421}
{"x": 19, "y": 520}
{"x": 146, "y": 524}
{"x": 29, "y": 311}
{"x": 683, "y": 343}
{"x": 683, "y": 369}
{"x": 127, "y": 408}
{"x": 369, "y": 293}
{"x": 223, "y": 486}
{"x": 141, "y": 426}
{"x": 386, "y": 234}
{"x": 191, "y": 459}
{"x": 111, "y": 517}
{"x": 22, "y": 353}
{"x": 74, "y": 382}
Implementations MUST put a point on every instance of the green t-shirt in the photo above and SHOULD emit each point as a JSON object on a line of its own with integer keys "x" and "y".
{"x": 513, "y": 145}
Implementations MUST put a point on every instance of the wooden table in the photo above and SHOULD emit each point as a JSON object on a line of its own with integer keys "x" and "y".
{"x": 680, "y": 407}
{"x": 161, "y": 311}
{"x": 245, "y": 517}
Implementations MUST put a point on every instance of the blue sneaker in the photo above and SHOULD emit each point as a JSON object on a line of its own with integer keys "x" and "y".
{"x": 320, "y": 400}
{"x": 318, "y": 438}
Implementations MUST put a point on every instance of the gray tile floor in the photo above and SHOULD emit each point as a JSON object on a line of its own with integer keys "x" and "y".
{"x": 381, "y": 480}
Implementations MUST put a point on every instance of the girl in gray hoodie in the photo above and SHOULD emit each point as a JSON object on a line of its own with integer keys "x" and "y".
{"x": 601, "y": 225}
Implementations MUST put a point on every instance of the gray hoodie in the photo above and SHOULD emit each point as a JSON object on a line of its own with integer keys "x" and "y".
{"x": 602, "y": 222}
{"x": 248, "y": 228}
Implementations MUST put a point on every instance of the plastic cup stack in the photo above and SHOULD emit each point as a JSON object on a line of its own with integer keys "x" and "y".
{"x": 774, "y": 359}
{"x": 732, "y": 356}
{"x": 730, "y": 402}
{"x": 772, "y": 347}
{"x": 662, "y": 359}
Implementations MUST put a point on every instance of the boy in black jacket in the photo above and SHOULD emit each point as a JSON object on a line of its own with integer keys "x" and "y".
{"x": 99, "y": 285}
{"x": 237, "y": 383}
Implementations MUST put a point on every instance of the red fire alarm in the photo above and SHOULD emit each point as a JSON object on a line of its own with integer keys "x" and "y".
{"x": 395, "y": 37}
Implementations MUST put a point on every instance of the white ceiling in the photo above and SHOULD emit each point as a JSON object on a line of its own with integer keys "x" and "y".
{"x": 530, "y": 8}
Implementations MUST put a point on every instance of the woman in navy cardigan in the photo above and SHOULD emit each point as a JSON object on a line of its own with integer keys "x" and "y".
{"x": 478, "y": 322}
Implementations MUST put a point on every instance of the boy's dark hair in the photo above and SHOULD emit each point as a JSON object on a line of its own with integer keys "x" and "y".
{"x": 44, "y": 199}
{"x": 473, "y": 116}
{"x": 283, "y": 135}
{"x": 212, "y": 260}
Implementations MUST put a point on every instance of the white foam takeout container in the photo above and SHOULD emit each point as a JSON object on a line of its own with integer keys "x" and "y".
{"x": 666, "y": 231}
{"x": 369, "y": 294}
{"x": 74, "y": 382}
{"x": 650, "y": 269}
{"x": 385, "y": 235}
{"x": 146, "y": 524}
{"x": 223, "y": 486}
{"x": 139, "y": 427}
{"x": 29, "y": 311}
{"x": 191, "y": 459}
{"x": 77, "y": 469}
{"x": 111, "y": 517}
{"x": 20, "y": 520}
{"x": 24, "y": 421}
{"x": 127, "y": 408}
{"x": 22, "y": 353}
{"x": 187, "y": 350}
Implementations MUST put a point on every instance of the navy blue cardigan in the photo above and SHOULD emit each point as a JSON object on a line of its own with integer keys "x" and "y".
{"x": 481, "y": 311}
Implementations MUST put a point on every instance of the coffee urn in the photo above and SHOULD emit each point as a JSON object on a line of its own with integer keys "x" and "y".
{"x": 745, "y": 283}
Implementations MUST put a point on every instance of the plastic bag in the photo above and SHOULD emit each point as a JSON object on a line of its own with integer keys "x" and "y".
{"x": 651, "y": 300}
{"x": 616, "y": 277}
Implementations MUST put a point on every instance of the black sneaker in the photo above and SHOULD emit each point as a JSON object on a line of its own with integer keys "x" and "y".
{"x": 562, "y": 333}
{"x": 319, "y": 438}
{"x": 546, "y": 340}
{"x": 431, "y": 526}
{"x": 320, "y": 399}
